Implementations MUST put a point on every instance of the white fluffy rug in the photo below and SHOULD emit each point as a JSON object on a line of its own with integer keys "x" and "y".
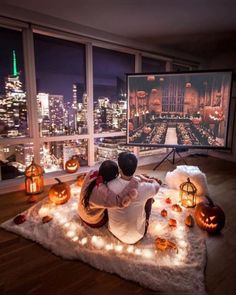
{"x": 180, "y": 175}
{"x": 168, "y": 271}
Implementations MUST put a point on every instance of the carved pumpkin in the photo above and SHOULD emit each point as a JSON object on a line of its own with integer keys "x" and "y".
{"x": 72, "y": 166}
{"x": 59, "y": 193}
{"x": 209, "y": 216}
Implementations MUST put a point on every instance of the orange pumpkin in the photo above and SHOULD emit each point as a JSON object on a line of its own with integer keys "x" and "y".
{"x": 59, "y": 193}
{"x": 72, "y": 166}
{"x": 209, "y": 216}
{"x": 80, "y": 179}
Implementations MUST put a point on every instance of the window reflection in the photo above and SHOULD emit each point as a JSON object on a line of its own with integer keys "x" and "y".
{"x": 14, "y": 159}
{"x": 55, "y": 154}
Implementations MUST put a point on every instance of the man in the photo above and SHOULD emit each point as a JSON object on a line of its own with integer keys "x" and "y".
{"x": 130, "y": 224}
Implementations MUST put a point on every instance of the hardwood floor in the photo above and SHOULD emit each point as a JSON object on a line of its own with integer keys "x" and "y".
{"x": 28, "y": 268}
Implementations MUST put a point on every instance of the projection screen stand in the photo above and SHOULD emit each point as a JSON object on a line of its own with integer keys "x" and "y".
{"x": 173, "y": 151}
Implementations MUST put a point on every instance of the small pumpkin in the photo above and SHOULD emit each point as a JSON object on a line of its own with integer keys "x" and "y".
{"x": 172, "y": 223}
{"x": 209, "y": 216}
{"x": 168, "y": 200}
{"x": 163, "y": 244}
{"x": 176, "y": 208}
{"x": 80, "y": 179}
{"x": 72, "y": 166}
{"x": 19, "y": 219}
{"x": 189, "y": 221}
{"x": 59, "y": 193}
{"x": 46, "y": 219}
{"x": 164, "y": 213}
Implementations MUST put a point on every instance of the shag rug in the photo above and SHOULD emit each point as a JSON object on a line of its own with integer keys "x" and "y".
{"x": 180, "y": 270}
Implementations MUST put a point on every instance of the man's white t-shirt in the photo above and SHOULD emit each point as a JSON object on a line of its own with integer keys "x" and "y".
{"x": 128, "y": 224}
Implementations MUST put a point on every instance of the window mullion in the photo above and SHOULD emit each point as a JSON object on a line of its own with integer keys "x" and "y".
{"x": 28, "y": 44}
{"x": 89, "y": 87}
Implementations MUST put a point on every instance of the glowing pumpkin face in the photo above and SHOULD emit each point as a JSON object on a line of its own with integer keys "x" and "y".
{"x": 210, "y": 217}
{"x": 59, "y": 193}
{"x": 72, "y": 166}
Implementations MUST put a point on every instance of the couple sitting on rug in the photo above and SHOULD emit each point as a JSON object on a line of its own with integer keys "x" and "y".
{"x": 123, "y": 200}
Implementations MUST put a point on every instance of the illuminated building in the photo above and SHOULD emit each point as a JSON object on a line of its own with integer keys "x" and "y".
{"x": 57, "y": 114}
{"x": 13, "y": 105}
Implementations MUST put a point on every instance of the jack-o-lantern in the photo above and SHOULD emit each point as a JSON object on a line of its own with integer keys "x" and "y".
{"x": 59, "y": 193}
{"x": 72, "y": 166}
{"x": 209, "y": 216}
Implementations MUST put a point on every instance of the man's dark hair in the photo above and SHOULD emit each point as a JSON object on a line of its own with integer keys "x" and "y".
{"x": 127, "y": 163}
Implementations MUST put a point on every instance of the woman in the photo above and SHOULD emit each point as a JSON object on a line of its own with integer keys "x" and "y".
{"x": 95, "y": 196}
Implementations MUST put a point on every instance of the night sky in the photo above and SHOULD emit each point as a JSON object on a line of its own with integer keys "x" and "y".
{"x": 10, "y": 40}
{"x": 61, "y": 63}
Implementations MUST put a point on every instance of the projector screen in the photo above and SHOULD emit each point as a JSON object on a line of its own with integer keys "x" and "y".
{"x": 179, "y": 109}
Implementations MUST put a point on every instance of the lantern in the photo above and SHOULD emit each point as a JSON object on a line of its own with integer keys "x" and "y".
{"x": 187, "y": 194}
{"x": 33, "y": 178}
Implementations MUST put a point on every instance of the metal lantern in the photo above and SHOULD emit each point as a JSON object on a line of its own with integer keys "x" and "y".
{"x": 188, "y": 194}
{"x": 33, "y": 179}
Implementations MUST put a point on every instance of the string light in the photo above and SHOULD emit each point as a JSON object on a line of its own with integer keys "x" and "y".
{"x": 84, "y": 241}
{"x": 148, "y": 253}
{"x": 70, "y": 233}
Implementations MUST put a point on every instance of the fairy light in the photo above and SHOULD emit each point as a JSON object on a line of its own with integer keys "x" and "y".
{"x": 147, "y": 253}
{"x": 84, "y": 241}
{"x": 119, "y": 248}
{"x": 43, "y": 211}
{"x": 75, "y": 239}
{"x": 183, "y": 244}
{"x": 70, "y": 233}
{"x": 109, "y": 247}
{"x": 130, "y": 249}
{"x": 67, "y": 224}
{"x": 74, "y": 206}
{"x": 137, "y": 252}
{"x": 97, "y": 242}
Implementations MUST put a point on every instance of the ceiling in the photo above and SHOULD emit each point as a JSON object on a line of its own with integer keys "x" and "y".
{"x": 202, "y": 28}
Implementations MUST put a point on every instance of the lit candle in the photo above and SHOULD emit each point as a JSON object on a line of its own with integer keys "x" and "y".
{"x": 33, "y": 187}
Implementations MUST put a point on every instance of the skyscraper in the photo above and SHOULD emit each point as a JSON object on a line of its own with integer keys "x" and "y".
{"x": 13, "y": 104}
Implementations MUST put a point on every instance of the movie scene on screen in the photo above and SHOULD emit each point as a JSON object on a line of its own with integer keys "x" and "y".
{"x": 179, "y": 109}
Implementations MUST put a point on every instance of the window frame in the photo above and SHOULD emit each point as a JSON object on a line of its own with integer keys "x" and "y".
{"x": 30, "y": 87}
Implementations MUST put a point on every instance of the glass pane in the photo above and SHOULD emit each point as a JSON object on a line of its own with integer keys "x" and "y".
{"x": 150, "y": 65}
{"x": 14, "y": 159}
{"x": 13, "y": 111}
{"x": 54, "y": 154}
{"x": 108, "y": 148}
{"x": 109, "y": 74}
{"x": 62, "y": 98}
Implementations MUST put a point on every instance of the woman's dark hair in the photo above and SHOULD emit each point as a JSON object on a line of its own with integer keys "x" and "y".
{"x": 108, "y": 170}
